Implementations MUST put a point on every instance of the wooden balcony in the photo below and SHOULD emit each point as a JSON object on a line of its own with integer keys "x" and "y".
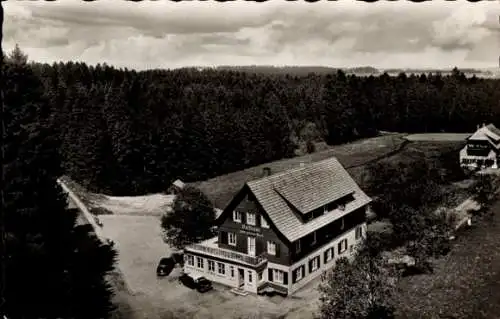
{"x": 226, "y": 254}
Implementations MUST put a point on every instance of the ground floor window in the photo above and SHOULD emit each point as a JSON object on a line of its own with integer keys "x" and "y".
{"x": 298, "y": 274}
{"x": 329, "y": 254}
{"x": 250, "y": 276}
{"x": 314, "y": 264}
{"x": 278, "y": 276}
{"x": 190, "y": 260}
{"x": 232, "y": 271}
{"x": 199, "y": 262}
{"x": 342, "y": 246}
{"x": 259, "y": 276}
{"x": 221, "y": 268}
{"x": 211, "y": 265}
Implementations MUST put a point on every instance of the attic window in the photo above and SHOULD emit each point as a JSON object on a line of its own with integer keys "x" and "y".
{"x": 237, "y": 216}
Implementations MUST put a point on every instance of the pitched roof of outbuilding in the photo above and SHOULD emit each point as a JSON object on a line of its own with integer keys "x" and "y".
{"x": 306, "y": 188}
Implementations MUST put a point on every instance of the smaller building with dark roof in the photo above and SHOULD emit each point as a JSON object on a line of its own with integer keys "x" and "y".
{"x": 281, "y": 231}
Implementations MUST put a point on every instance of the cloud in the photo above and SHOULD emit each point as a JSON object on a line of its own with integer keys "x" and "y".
{"x": 154, "y": 34}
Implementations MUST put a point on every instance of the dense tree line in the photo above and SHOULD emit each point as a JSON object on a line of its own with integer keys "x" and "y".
{"x": 52, "y": 268}
{"x": 127, "y": 132}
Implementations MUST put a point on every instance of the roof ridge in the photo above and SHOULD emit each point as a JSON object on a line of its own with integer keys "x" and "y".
{"x": 293, "y": 170}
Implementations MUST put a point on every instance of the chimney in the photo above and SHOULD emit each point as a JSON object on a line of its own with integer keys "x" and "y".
{"x": 266, "y": 171}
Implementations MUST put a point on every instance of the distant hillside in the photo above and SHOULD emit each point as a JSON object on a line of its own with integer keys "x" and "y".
{"x": 359, "y": 71}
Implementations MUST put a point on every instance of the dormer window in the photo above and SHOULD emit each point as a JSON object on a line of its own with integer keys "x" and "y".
{"x": 263, "y": 222}
{"x": 237, "y": 216}
{"x": 251, "y": 219}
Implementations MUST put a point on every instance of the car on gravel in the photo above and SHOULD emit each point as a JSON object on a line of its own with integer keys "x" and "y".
{"x": 165, "y": 267}
{"x": 201, "y": 284}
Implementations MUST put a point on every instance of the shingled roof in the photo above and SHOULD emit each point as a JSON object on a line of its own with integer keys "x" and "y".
{"x": 487, "y": 132}
{"x": 306, "y": 188}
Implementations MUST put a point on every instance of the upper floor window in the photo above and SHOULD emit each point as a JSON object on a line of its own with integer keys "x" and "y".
{"x": 237, "y": 216}
{"x": 297, "y": 246}
{"x": 342, "y": 246}
{"x": 231, "y": 239}
{"x": 359, "y": 232}
{"x": 263, "y": 222}
{"x": 313, "y": 238}
{"x": 271, "y": 248}
{"x": 251, "y": 219}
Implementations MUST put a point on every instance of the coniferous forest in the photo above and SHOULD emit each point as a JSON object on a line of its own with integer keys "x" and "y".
{"x": 125, "y": 132}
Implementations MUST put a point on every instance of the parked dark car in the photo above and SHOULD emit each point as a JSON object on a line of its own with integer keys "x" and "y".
{"x": 201, "y": 284}
{"x": 165, "y": 267}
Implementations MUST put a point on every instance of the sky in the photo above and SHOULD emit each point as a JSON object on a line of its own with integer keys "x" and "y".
{"x": 345, "y": 33}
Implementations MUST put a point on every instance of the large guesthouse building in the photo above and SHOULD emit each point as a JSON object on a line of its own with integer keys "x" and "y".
{"x": 283, "y": 230}
{"x": 482, "y": 148}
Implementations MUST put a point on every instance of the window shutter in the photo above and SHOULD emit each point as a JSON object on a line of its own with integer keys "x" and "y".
{"x": 277, "y": 245}
{"x": 310, "y": 266}
{"x": 339, "y": 247}
{"x": 223, "y": 237}
{"x": 258, "y": 246}
{"x": 243, "y": 218}
{"x": 318, "y": 261}
{"x": 325, "y": 254}
{"x": 294, "y": 276}
{"x": 270, "y": 275}
{"x": 285, "y": 278}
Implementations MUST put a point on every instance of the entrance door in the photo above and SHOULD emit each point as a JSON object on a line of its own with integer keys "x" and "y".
{"x": 241, "y": 277}
{"x": 251, "y": 246}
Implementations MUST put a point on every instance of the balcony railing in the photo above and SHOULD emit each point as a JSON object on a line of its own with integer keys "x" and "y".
{"x": 251, "y": 260}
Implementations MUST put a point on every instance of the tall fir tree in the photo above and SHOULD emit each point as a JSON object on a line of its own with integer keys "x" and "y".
{"x": 53, "y": 269}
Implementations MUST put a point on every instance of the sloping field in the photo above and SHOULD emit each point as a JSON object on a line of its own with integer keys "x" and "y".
{"x": 151, "y": 205}
{"x": 222, "y": 188}
{"x": 437, "y": 137}
{"x": 465, "y": 284}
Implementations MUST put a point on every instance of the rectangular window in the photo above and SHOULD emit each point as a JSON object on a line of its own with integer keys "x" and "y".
{"x": 314, "y": 264}
{"x": 278, "y": 276}
{"x": 251, "y": 246}
{"x": 342, "y": 246}
{"x": 221, "y": 269}
{"x": 297, "y": 246}
{"x": 359, "y": 232}
{"x": 211, "y": 266}
{"x": 299, "y": 273}
{"x": 249, "y": 276}
{"x": 190, "y": 260}
{"x": 251, "y": 219}
{"x": 313, "y": 238}
{"x": 199, "y": 262}
{"x": 232, "y": 271}
{"x": 263, "y": 222}
{"x": 329, "y": 255}
{"x": 237, "y": 216}
{"x": 259, "y": 276}
{"x": 231, "y": 238}
{"x": 271, "y": 248}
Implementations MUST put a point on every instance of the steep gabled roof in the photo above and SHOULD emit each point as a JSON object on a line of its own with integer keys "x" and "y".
{"x": 489, "y": 133}
{"x": 306, "y": 188}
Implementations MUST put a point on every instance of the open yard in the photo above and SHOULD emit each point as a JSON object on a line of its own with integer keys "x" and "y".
{"x": 140, "y": 247}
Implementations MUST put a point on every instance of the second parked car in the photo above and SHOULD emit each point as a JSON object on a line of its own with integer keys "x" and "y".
{"x": 201, "y": 284}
